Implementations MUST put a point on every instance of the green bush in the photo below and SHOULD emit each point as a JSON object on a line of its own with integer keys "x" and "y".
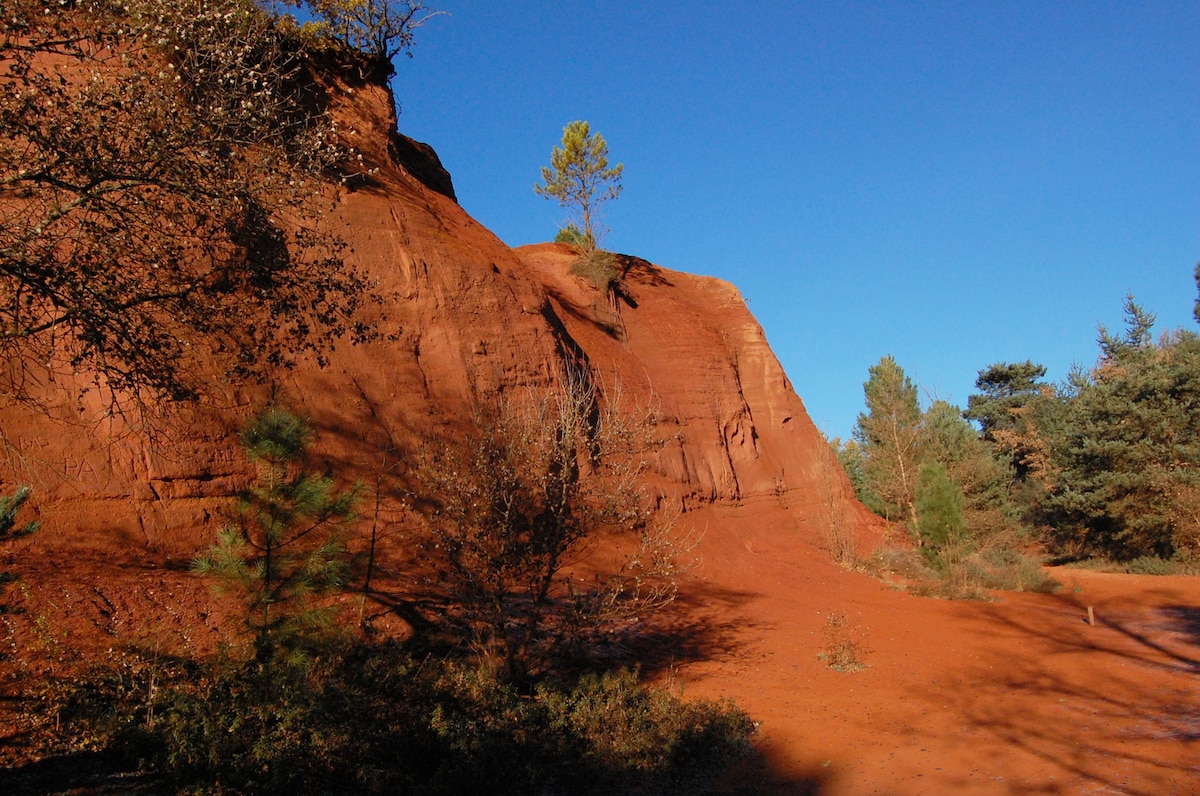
{"x": 370, "y": 719}
{"x": 9, "y": 507}
{"x": 1008, "y": 569}
{"x": 576, "y": 238}
{"x": 599, "y": 268}
{"x": 626, "y": 730}
{"x": 1153, "y": 565}
{"x": 1142, "y": 565}
{"x": 941, "y": 526}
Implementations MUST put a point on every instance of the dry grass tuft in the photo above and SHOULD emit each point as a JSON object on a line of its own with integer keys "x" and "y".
{"x": 845, "y": 645}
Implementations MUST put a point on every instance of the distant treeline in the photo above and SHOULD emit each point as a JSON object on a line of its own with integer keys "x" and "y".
{"x": 1105, "y": 464}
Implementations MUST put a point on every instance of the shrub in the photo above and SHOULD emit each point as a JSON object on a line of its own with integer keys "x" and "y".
{"x": 372, "y": 720}
{"x": 1153, "y": 565}
{"x": 1005, "y": 568}
{"x": 598, "y": 268}
{"x": 844, "y": 644}
{"x": 941, "y": 526}
{"x": 576, "y": 238}
{"x": 626, "y": 732}
{"x": 514, "y": 506}
{"x": 1143, "y": 565}
{"x": 836, "y": 532}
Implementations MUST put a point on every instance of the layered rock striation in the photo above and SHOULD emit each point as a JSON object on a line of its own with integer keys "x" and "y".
{"x": 464, "y": 317}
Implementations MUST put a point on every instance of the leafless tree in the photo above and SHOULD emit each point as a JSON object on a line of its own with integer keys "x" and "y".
{"x": 383, "y": 29}
{"x": 837, "y": 530}
{"x": 515, "y": 510}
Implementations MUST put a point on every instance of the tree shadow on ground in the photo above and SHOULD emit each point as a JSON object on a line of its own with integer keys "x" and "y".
{"x": 1185, "y": 619}
{"x": 1123, "y": 723}
{"x": 697, "y": 626}
{"x": 95, "y": 772}
{"x": 756, "y": 775}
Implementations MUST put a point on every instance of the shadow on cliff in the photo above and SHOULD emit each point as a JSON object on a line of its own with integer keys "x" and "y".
{"x": 642, "y": 272}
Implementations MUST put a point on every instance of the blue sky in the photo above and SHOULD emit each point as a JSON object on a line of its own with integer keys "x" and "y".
{"x": 952, "y": 183}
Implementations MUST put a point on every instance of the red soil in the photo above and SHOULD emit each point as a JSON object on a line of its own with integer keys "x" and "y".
{"x": 1018, "y": 695}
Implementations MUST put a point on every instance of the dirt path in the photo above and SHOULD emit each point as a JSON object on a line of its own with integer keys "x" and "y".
{"x": 1019, "y": 695}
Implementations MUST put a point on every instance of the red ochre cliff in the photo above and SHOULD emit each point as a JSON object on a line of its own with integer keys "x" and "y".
{"x": 464, "y": 317}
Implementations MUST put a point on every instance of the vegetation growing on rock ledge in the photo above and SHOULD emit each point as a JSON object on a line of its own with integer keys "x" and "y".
{"x": 580, "y": 178}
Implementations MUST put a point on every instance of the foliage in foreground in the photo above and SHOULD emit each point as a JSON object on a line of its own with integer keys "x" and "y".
{"x": 9, "y": 529}
{"x": 182, "y": 150}
{"x": 374, "y": 720}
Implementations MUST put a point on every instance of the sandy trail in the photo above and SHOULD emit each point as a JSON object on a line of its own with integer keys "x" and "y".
{"x": 1018, "y": 695}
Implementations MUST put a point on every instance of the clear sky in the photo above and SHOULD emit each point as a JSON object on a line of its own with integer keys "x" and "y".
{"x": 952, "y": 183}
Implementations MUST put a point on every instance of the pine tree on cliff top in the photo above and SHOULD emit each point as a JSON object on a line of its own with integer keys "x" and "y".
{"x": 579, "y": 176}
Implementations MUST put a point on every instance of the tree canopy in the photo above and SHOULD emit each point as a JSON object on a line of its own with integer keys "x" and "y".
{"x": 579, "y": 176}
{"x": 889, "y": 435}
{"x": 1127, "y": 457}
{"x": 1105, "y": 464}
{"x": 161, "y": 171}
{"x": 383, "y": 29}
{"x": 1004, "y": 387}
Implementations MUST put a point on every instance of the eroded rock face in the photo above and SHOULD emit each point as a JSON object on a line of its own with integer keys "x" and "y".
{"x": 421, "y": 161}
{"x": 465, "y": 318}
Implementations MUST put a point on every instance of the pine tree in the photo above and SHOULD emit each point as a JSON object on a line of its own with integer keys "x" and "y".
{"x": 1004, "y": 387}
{"x": 1128, "y": 452}
{"x": 1196, "y": 306}
{"x": 889, "y": 434}
{"x": 285, "y": 545}
{"x": 579, "y": 176}
{"x": 969, "y": 463}
{"x": 1138, "y": 336}
{"x": 9, "y": 507}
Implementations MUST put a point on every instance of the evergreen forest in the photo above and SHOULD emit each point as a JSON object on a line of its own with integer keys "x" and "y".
{"x": 1100, "y": 469}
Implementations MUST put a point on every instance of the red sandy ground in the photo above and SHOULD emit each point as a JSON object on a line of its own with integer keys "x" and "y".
{"x": 1017, "y": 695}
{"x": 1013, "y": 696}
